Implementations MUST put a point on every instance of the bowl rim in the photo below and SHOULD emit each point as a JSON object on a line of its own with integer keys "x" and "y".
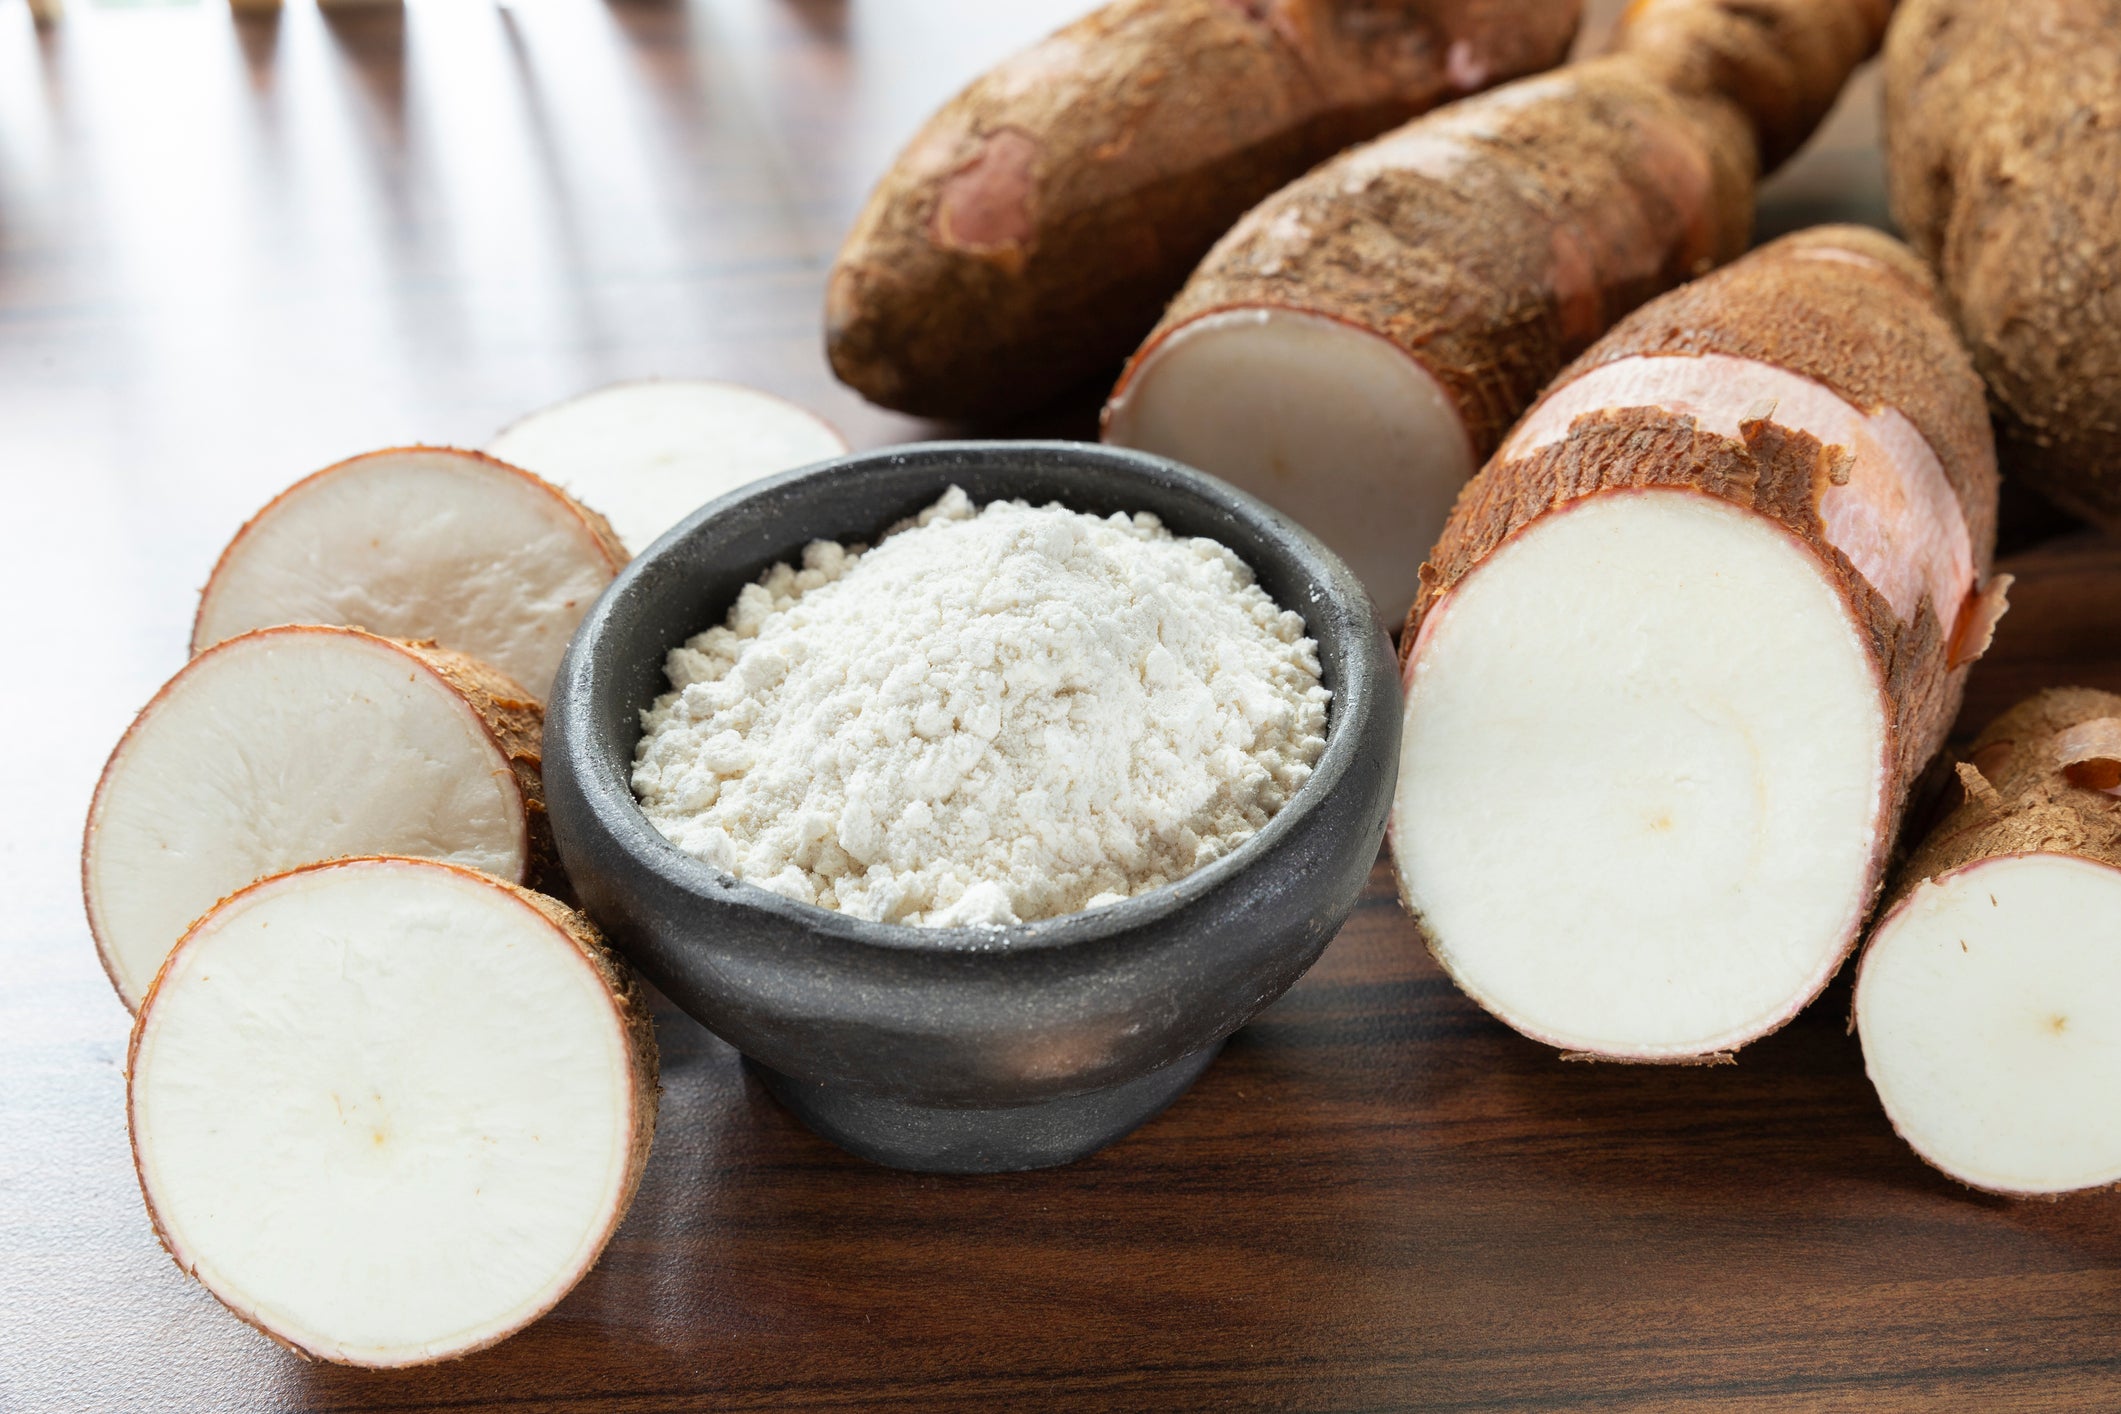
{"x": 608, "y": 793}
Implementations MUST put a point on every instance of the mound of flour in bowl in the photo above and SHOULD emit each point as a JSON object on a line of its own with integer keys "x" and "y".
{"x": 993, "y": 716}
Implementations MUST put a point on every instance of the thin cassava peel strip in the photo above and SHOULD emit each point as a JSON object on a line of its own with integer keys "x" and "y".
{"x": 303, "y": 742}
{"x": 387, "y": 1110}
{"x": 1986, "y": 995}
{"x": 1644, "y": 677}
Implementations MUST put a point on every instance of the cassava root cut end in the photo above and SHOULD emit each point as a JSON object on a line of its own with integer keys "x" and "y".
{"x": 648, "y": 454}
{"x": 1989, "y": 995}
{"x": 389, "y": 1111}
{"x": 1642, "y": 777}
{"x": 300, "y": 743}
{"x": 426, "y": 543}
{"x": 1661, "y": 721}
{"x": 1268, "y": 399}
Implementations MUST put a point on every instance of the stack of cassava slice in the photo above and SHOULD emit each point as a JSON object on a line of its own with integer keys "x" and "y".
{"x": 387, "y": 1109}
{"x": 387, "y": 1103}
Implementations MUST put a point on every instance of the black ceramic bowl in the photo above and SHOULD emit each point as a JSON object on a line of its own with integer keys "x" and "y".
{"x": 967, "y": 1049}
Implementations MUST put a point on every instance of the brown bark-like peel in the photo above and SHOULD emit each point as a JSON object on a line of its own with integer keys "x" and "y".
{"x": 1782, "y": 61}
{"x": 1494, "y": 240}
{"x": 2043, "y": 774}
{"x": 2003, "y": 138}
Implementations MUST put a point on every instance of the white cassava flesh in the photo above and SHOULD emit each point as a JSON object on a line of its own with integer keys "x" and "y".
{"x": 423, "y": 543}
{"x": 1636, "y": 810}
{"x": 389, "y": 1111}
{"x": 1684, "y": 646}
{"x": 1268, "y": 398}
{"x": 649, "y": 454}
{"x": 1989, "y": 1004}
{"x": 1989, "y": 996}
{"x": 294, "y": 744}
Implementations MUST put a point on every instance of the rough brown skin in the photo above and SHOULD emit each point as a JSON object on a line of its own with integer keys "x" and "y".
{"x": 2035, "y": 782}
{"x": 515, "y": 724}
{"x": 1782, "y": 61}
{"x": 2003, "y": 141}
{"x": 1032, "y": 231}
{"x": 1874, "y": 334}
{"x": 626, "y": 1000}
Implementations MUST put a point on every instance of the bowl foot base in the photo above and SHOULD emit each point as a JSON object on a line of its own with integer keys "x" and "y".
{"x": 934, "y": 1139}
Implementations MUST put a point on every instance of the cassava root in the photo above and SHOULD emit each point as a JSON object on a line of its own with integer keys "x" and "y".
{"x": 1683, "y": 647}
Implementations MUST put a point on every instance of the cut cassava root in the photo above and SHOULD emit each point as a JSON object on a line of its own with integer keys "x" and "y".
{"x": 1478, "y": 248}
{"x": 1989, "y": 995}
{"x": 1029, "y": 234}
{"x": 2003, "y": 138}
{"x": 1678, "y": 656}
{"x": 648, "y": 454}
{"x": 389, "y": 1111}
{"x": 426, "y": 543}
{"x": 294, "y": 744}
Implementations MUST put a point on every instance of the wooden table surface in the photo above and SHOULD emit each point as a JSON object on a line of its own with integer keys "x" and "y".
{"x": 229, "y": 255}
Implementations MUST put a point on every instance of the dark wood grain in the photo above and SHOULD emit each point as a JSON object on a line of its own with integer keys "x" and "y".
{"x": 229, "y": 255}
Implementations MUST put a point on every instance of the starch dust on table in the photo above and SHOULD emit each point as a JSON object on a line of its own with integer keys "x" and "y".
{"x": 995, "y": 715}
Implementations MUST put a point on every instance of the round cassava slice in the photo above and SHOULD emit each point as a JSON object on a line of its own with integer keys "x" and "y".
{"x": 295, "y": 744}
{"x": 1990, "y": 1008}
{"x": 426, "y": 543}
{"x": 648, "y": 454}
{"x": 389, "y": 1111}
{"x": 1989, "y": 996}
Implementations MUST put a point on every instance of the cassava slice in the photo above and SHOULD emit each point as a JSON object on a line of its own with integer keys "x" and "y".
{"x": 300, "y": 743}
{"x": 2003, "y": 145}
{"x": 389, "y": 1111}
{"x": 1031, "y": 232}
{"x": 1356, "y": 346}
{"x": 649, "y": 454}
{"x": 1683, "y": 647}
{"x": 426, "y": 543}
{"x": 1989, "y": 995}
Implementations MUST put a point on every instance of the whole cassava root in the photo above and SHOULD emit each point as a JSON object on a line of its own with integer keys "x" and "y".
{"x": 2003, "y": 138}
{"x": 1030, "y": 233}
{"x": 1357, "y": 345}
{"x": 1685, "y": 644}
{"x": 1989, "y": 995}
{"x": 298, "y": 743}
{"x": 389, "y": 1111}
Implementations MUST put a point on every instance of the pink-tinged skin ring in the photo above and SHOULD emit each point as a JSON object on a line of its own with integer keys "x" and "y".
{"x": 1896, "y": 517}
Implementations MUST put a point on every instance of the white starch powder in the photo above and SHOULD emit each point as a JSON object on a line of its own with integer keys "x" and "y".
{"x": 995, "y": 715}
